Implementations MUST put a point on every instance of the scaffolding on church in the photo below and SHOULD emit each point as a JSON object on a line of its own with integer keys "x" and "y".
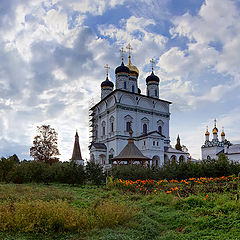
{"x": 92, "y": 125}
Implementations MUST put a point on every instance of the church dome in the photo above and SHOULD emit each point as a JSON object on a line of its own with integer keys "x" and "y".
{"x": 133, "y": 70}
{"x": 152, "y": 78}
{"x": 122, "y": 69}
{"x": 207, "y": 133}
{"x": 107, "y": 83}
{"x": 215, "y": 130}
{"x": 223, "y": 134}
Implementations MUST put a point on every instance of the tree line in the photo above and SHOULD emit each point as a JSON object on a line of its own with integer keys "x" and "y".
{"x": 12, "y": 170}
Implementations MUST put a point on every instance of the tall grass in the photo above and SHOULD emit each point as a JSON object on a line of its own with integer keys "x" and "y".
{"x": 12, "y": 193}
{"x": 59, "y": 216}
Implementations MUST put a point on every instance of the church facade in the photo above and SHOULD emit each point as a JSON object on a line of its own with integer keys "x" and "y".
{"x": 211, "y": 149}
{"x": 123, "y": 109}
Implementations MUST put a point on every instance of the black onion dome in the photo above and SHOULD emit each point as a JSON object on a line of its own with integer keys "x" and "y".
{"x": 152, "y": 78}
{"x": 122, "y": 69}
{"x": 107, "y": 83}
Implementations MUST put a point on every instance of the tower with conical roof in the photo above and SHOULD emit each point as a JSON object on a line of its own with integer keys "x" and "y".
{"x": 76, "y": 155}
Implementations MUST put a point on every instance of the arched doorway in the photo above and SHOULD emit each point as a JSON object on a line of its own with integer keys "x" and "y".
{"x": 173, "y": 159}
{"x": 181, "y": 159}
{"x": 156, "y": 161}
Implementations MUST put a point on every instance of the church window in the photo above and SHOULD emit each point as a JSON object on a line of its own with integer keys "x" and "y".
{"x": 148, "y": 92}
{"x": 103, "y": 128}
{"x": 128, "y": 126}
{"x": 157, "y": 143}
{"x": 125, "y": 85}
{"x": 160, "y": 129}
{"x": 133, "y": 88}
{"x": 111, "y": 124}
{"x": 144, "y": 143}
{"x": 156, "y": 93}
{"x": 153, "y": 143}
{"x": 144, "y": 128}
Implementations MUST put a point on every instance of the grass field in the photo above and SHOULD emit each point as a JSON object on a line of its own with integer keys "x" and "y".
{"x": 90, "y": 212}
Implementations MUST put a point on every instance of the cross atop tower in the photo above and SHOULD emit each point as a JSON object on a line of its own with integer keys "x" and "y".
{"x": 129, "y": 47}
{"x": 152, "y": 62}
{"x": 107, "y": 69}
{"x": 215, "y": 122}
{"x": 122, "y": 51}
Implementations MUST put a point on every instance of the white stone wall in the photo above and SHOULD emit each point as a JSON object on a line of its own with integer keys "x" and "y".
{"x": 211, "y": 152}
{"x": 234, "y": 157}
{"x": 123, "y": 107}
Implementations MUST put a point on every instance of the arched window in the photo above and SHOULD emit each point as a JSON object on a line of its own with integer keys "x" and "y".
{"x": 111, "y": 124}
{"x": 103, "y": 128}
{"x": 125, "y": 85}
{"x": 128, "y": 126}
{"x": 156, "y": 92}
{"x": 160, "y": 129}
{"x": 144, "y": 128}
{"x": 133, "y": 88}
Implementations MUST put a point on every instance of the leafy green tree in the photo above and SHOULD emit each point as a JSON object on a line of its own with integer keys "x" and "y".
{"x": 45, "y": 147}
{"x": 73, "y": 173}
{"x": 6, "y": 167}
{"x": 94, "y": 173}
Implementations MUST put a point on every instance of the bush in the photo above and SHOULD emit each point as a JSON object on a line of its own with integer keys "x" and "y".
{"x": 94, "y": 173}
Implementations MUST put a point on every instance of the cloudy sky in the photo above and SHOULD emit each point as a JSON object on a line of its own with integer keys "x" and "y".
{"x": 53, "y": 52}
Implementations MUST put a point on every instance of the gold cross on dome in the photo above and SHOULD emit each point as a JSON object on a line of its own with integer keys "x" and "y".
{"x": 122, "y": 51}
{"x": 129, "y": 47}
{"x": 152, "y": 62}
{"x": 107, "y": 69}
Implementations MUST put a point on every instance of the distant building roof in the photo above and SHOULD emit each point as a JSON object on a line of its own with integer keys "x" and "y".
{"x": 98, "y": 145}
{"x": 130, "y": 152}
{"x": 173, "y": 150}
{"x": 234, "y": 149}
{"x": 76, "y": 155}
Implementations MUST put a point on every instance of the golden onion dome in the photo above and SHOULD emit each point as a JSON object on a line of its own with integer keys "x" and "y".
{"x": 133, "y": 69}
{"x": 215, "y": 130}
{"x": 223, "y": 134}
{"x": 207, "y": 133}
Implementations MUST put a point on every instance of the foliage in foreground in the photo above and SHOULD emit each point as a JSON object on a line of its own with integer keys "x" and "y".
{"x": 47, "y": 209}
{"x": 160, "y": 217}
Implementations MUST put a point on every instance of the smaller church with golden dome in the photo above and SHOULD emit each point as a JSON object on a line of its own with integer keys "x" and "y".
{"x": 211, "y": 149}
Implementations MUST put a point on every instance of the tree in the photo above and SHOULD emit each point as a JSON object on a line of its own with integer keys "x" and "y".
{"x": 44, "y": 147}
{"x": 94, "y": 172}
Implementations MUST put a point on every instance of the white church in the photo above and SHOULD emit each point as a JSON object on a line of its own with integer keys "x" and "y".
{"x": 211, "y": 149}
{"x": 125, "y": 109}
